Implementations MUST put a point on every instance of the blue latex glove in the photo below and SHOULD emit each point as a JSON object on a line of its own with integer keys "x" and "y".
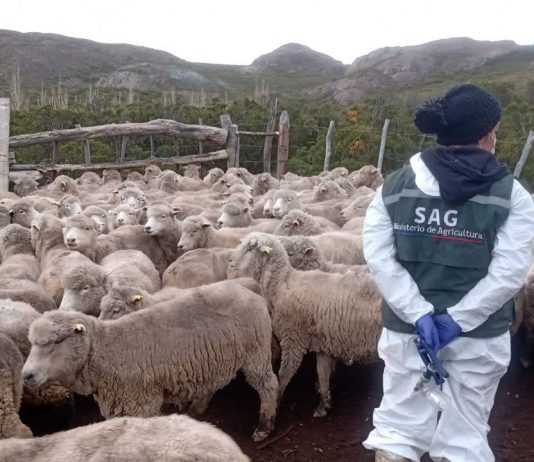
{"x": 427, "y": 329}
{"x": 448, "y": 328}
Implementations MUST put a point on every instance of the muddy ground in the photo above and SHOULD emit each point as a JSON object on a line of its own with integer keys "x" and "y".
{"x": 300, "y": 437}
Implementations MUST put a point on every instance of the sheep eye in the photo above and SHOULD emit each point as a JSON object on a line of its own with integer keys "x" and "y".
{"x": 163, "y": 217}
{"x": 123, "y": 199}
{"x": 290, "y": 254}
{"x": 116, "y": 310}
{"x": 130, "y": 213}
{"x": 67, "y": 205}
{"x": 289, "y": 201}
{"x": 87, "y": 228}
{"x": 21, "y": 211}
{"x": 57, "y": 342}
{"x": 85, "y": 288}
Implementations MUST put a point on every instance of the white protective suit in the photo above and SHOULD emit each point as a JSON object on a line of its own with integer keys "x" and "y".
{"x": 406, "y": 423}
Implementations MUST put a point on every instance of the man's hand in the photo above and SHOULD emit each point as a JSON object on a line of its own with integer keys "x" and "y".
{"x": 448, "y": 328}
{"x": 427, "y": 329}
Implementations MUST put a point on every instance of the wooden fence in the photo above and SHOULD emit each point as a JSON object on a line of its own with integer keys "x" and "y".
{"x": 227, "y": 137}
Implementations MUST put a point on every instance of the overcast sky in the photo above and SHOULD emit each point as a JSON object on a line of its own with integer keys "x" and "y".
{"x": 238, "y": 31}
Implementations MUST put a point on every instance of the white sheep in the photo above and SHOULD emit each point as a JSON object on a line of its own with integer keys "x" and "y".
{"x": 197, "y": 232}
{"x": 297, "y": 222}
{"x": 197, "y": 267}
{"x": 176, "y": 438}
{"x": 337, "y": 316}
{"x": 180, "y": 351}
{"x": 16, "y": 253}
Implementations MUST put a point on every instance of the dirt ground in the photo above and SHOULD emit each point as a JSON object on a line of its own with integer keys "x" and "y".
{"x": 300, "y": 437}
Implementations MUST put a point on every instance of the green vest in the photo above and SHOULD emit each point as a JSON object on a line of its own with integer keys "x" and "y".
{"x": 446, "y": 248}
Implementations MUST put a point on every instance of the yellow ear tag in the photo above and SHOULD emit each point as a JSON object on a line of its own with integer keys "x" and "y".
{"x": 79, "y": 328}
{"x": 266, "y": 249}
{"x": 137, "y": 298}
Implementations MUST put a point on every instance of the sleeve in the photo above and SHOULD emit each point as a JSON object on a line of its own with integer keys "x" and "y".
{"x": 511, "y": 259}
{"x": 394, "y": 282}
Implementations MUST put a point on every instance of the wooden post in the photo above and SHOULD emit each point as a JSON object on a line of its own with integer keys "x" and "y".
{"x": 267, "y": 148}
{"x": 123, "y": 148}
{"x": 4, "y": 144}
{"x": 86, "y": 149}
{"x": 200, "y": 143}
{"x": 152, "y": 150}
{"x": 524, "y": 155}
{"x": 328, "y": 151}
{"x": 55, "y": 152}
{"x": 232, "y": 142}
{"x": 283, "y": 145}
{"x": 382, "y": 145}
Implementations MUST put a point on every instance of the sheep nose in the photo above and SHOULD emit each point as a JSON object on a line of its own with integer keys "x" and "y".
{"x": 121, "y": 220}
{"x": 219, "y": 224}
{"x": 148, "y": 229}
{"x": 181, "y": 247}
{"x": 71, "y": 240}
{"x": 28, "y": 378}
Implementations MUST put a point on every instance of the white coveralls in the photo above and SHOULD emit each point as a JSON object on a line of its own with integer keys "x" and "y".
{"x": 406, "y": 423}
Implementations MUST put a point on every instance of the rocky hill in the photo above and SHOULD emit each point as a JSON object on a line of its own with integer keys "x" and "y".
{"x": 404, "y": 66}
{"x": 291, "y": 70}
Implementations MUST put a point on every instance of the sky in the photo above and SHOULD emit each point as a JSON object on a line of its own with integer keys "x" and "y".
{"x": 238, "y": 31}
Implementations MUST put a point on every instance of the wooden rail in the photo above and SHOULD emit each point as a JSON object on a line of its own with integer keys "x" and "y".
{"x": 154, "y": 127}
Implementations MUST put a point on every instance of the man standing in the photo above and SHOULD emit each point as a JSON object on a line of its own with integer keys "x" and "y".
{"x": 448, "y": 241}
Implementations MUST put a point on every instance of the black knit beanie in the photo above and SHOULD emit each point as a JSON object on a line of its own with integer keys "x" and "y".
{"x": 464, "y": 115}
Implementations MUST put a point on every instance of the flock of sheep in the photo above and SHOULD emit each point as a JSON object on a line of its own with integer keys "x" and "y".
{"x": 160, "y": 288}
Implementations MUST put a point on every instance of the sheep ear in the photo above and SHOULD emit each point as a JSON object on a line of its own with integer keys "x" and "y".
{"x": 11, "y": 212}
{"x": 177, "y": 210}
{"x": 309, "y": 251}
{"x": 145, "y": 208}
{"x": 245, "y": 209}
{"x": 79, "y": 328}
{"x": 136, "y": 299}
{"x": 63, "y": 185}
{"x": 296, "y": 223}
{"x": 253, "y": 243}
{"x": 57, "y": 204}
{"x": 322, "y": 190}
{"x": 266, "y": 249}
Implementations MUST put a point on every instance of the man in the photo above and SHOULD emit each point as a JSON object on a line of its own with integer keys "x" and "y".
{"x": 448, "y": 241}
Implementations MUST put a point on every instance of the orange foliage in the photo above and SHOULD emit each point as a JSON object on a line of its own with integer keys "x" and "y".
{"x": 352, "y": 115}
{"x": 356, "y": 147}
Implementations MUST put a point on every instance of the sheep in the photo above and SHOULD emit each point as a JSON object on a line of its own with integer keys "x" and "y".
{"x": 182, "y": 209}
{"x": 264, "y": 182}
{"x": 68, "y": 206}
{"x": 86, "y": 284}
{"x": 25, "y": 185}
{"x": 177, "y": 438}
{"x": 131, "y": 197}
{"x": 225, "y": 182}
{"x": 192, "y": 171}
{"x": 5, "y": 217}
{"x": 296, "y": 183}
{"x": 29, "y": 292}
{"x": 152, "y": 173}
{"x": 135, "y": 177}
{"x": 340, "y": 247}
{"x": 214, "y": 175}
{"x": 163, "y": 226}
{"x": 123, "y": 300}
{"x": 337, "y": 316}
{"x": 88, "y": 182}
{"x": 197, "y": 267}
{"x": 16, "y": 252}
{"x": 368, "y": 176}
{"x": 23, "y": 213}
{"x": 197, "y": 233}
{"x": 298, "y": 222}
{"x": 15, "y": 321}
{"x": 358, "y": 207}
{"x": 305, "y": 255}
{"x": 111, "y": 179}
{"x": 181, "y": 351}
{"x": 235, "y": 215}
{"x": 285, "y": 200}
{"x": 265, "y": 205}
{"x": 11, "y": 362}
{"x": 99, "y": 217}
{"x": 61, "y": 185}
{"x": 354, "y": 225}
{"x": 53, "y": 256}
{"x": 243, "y": 173}
{"x": 123, "y": 215}
{"x": 327, "y": 190}
{"x": 81, "y": 235}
